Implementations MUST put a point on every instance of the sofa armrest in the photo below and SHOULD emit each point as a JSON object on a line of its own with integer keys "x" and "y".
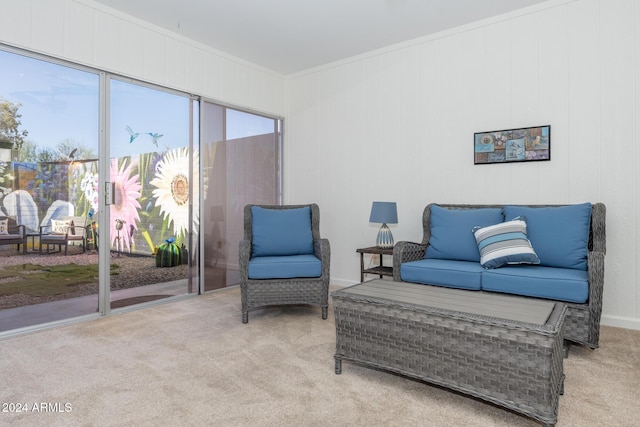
{"x": 598, "y": 235}
{"x": 406, "y": 252}
{"x": 596, "y": 284}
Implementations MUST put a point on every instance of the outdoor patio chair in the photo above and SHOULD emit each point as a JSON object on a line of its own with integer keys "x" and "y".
{"x": 283, "y": 260}
{"x": 64, "y": 232}
{"x": 12, "y": 233}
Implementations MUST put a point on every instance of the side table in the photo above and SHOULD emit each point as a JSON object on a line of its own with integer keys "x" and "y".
{"x": 380, "y": 269}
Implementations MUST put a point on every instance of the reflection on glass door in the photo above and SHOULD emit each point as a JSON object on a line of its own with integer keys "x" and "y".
{"x": 241, "y": 164}
{"x": 49, "y": 133}
{"x": 153, "y": 211}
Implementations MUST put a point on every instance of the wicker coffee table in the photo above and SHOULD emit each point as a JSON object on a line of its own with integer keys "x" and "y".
{"x": 503, "y": 349}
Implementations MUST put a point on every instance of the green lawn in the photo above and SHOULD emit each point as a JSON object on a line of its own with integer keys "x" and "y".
{"x": 37, "y": 280}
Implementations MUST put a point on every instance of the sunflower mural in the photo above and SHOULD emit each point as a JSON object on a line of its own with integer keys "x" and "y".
{"x": 151, "y": 197}
{"x": 126, "y": 205}
{"x": 89, "y": 188}
{"x": 172, "y": 190}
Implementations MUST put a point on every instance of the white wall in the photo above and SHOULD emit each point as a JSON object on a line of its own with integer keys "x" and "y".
{"x": 397, "y": 125}
{"x": 91, "y": 34}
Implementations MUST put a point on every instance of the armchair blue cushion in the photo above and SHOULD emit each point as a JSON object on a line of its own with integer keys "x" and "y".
{"x": 284, "y": 267}
{"x": 278, "y": 232}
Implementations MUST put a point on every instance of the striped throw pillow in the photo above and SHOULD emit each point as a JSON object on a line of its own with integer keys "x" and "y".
{"x": 505, "y": 243}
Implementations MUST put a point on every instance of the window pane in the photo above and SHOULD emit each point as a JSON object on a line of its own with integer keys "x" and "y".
{"x": 49, "y": 133}
{"x": 150, "y": 134}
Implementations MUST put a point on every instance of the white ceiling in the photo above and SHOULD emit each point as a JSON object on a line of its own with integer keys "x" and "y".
{"x": 288, "y": 36}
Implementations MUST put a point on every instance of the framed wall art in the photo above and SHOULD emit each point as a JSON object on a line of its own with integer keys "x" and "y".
{"x": 513, "y": 145}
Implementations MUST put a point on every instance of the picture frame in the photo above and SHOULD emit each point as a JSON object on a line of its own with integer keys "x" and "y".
{"x": 532, "y": 144}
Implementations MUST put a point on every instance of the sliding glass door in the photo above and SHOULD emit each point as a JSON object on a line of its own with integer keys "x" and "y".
{"x": 241, "y": 165}
{"x": 106, "y": 172}
{"x": 154, "y": 186}
{"x": 100, "y": 177}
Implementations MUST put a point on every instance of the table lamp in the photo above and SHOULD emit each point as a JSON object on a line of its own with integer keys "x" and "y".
{"x": 385, "y": 213}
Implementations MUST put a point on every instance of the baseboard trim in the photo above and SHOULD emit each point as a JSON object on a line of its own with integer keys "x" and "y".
{"x": 620, "y": 322}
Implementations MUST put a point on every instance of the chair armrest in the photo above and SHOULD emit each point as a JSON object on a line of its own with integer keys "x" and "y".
{"x": 595, "y": 267}
{"x": 84, "y": 230}
{"x": 22, "y": 230}
{"x": 322, "y": 250}
{"x": 406, "y": 252}
{"x": 244, "y": 254}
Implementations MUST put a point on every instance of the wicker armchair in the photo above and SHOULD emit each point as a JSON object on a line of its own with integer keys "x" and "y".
{"x": 264, "y": 282}
{"x": 582, "y": 323}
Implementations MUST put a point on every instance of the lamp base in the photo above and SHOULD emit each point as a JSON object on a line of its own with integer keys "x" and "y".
{"x": 385, "y": 238}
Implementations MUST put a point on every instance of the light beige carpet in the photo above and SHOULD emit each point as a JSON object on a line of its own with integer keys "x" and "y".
{"x": 193, "y": 362}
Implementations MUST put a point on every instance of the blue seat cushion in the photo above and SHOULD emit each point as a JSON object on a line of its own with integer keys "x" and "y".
{"x": 559, "y": 235}
{"x": 451, "y": 232}
{"x": 441, "y": 272}
{"x": 284, "y": 267}
{"x": 281, "y": 231}
{"x": 560, "y": 284}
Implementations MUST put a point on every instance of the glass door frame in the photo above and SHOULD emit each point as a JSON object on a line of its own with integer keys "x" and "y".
{"x": 104, "y": 250}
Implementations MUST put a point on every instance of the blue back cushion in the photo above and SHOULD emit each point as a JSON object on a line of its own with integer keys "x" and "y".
{"x": 451, "y": 232}
{"x": 559, "y": 235}
{"x": 277, "y": 232}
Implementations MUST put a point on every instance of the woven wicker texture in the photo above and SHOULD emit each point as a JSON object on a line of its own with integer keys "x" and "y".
{"x": 582, "y": 325}
{"x": 261, "y": 293}
{"x": 513, "y": 364}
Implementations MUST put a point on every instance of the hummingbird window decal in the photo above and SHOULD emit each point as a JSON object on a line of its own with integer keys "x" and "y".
{"x": 155, "y": 137}
{"x": 133, "y": 135}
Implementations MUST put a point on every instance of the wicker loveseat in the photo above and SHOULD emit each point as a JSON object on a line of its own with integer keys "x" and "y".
{"x": 12, "y": 234}
{"x": 575, "y": 278}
